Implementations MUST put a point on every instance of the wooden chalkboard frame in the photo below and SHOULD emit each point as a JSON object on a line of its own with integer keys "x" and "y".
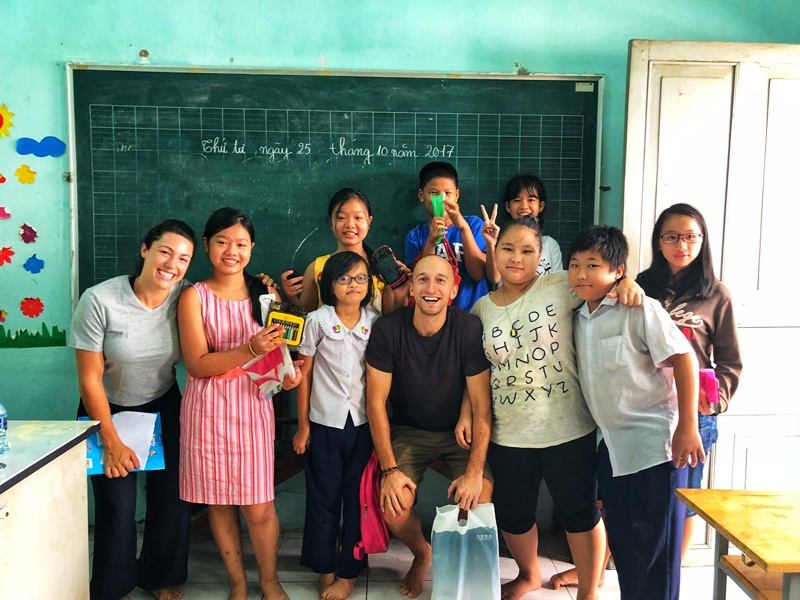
{"x": 72, "y": 67}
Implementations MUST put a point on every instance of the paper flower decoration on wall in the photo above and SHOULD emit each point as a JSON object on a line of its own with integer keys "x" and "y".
{"x": 31, "y": 307}
{"x": 3, "y": 315}
{"x": 25, "y": 175}
{"x": 5, "y": 121}
{"x": 27, "y": 234}
{"x": 5, "y": 255}
{"x": 4, "y": 214}
{"x": 34, "y": 265}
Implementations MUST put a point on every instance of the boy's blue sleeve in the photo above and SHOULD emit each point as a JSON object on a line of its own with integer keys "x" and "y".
{"x": 415, "y": 241}
{"x": 476, "y": 226}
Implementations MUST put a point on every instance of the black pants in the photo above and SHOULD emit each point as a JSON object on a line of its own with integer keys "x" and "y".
{"x": 165, "y": 549}
{"x": 644, "y": 522}
{"x": 335, "y": 461}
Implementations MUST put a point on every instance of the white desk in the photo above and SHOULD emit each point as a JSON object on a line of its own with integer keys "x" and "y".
{"x": 44, "y": 543}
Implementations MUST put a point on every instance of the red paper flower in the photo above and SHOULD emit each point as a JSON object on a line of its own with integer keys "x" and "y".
{"x": 31, "y": 307}
{"x": 5, "y": 255}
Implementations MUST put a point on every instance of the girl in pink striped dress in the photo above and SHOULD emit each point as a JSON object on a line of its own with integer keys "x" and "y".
{"x": 227, "y": 425}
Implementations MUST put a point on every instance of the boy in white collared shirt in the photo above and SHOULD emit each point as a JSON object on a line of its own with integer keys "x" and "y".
{"x": 639, "y": 377}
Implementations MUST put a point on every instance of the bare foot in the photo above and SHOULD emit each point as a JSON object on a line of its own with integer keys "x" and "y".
{"x": 273, "y": 590}
{"x": 340, "y": 589}
{"x": 238, "y": 590}
{"x": 167, "y": 593}
{"x": 516, "y": 588}
{"x": 570, "y": 577}
{"x": 325, "y": 581}
{"x": 412, "y": 583}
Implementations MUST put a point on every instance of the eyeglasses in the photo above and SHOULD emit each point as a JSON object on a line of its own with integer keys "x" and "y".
{"x": 346, "y": 279}
{"x": 674, "y": 238}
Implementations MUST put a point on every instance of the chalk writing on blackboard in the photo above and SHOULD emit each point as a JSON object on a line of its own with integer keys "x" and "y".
{"x": 323, "y": 135}
{"x": 143, "y": 162}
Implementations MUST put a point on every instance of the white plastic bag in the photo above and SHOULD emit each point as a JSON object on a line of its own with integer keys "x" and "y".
{"x": 466, "y": 559}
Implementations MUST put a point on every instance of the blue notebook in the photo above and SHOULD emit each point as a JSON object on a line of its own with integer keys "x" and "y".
{"x": 94, "y": 451}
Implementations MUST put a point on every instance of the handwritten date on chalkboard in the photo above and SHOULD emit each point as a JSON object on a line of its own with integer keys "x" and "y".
{"x": 342, "y": 147}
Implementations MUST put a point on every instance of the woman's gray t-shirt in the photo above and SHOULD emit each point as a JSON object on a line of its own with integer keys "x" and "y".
{"x": 140, "y": 345}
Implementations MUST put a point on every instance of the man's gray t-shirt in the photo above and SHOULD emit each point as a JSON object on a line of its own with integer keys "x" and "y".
{"x": 140, "y": 345}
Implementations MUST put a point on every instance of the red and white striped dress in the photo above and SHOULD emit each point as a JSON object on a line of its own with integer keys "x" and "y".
{"x": 227, "y": 425}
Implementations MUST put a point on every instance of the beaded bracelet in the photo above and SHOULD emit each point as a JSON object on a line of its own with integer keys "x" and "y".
{"x": 386, "y": 472}
{"x": 250, "y": 345}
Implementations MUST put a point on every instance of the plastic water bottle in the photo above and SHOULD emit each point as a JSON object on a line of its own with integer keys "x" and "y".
{"x": 3, "y": 430}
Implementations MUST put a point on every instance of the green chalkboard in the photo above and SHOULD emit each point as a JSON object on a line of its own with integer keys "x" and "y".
{"x": 153, "y": 144}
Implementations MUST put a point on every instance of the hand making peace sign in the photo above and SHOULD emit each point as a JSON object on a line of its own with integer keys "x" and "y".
{"x": 490, "y": 229}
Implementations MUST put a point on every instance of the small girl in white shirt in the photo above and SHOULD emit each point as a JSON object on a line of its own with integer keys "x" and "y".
{"x": 333, "y": 430}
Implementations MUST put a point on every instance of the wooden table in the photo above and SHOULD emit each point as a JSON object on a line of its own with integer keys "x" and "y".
{"x": 765, "y": 526}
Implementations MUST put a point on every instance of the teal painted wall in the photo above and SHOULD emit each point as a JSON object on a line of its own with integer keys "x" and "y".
{"x": 37, "y": 38}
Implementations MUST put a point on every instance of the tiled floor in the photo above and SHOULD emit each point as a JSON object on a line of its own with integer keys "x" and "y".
{"x": 207, "y": 580}
{"x": 207, "y": 576}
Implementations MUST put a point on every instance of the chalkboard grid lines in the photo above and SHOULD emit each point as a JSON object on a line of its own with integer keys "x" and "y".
{"x": 214, "y": 148}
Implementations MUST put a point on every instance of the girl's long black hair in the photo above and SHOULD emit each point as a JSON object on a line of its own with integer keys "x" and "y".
{"x": 696, "y": 280}
{"x": 228, "y": 217}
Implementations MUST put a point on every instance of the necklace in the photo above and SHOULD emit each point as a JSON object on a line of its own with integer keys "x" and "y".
{"x": 515, "y": 332}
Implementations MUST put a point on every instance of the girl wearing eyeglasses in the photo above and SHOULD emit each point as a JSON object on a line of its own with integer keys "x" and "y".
{"x": 525, "y": 195}
{"x": 332, "y": 417}
{"x": 681, "y": 277}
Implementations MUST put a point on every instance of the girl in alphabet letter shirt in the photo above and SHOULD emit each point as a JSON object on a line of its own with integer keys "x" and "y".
{"x": 542, "y": 428}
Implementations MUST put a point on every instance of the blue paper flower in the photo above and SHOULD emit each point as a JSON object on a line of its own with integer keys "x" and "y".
{"x": 34, "y": 265}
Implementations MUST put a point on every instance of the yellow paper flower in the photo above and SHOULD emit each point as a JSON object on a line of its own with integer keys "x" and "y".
{"x": 25, "y": 175}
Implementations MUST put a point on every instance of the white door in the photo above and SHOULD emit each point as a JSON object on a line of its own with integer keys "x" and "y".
{"x": 717, "y": 125}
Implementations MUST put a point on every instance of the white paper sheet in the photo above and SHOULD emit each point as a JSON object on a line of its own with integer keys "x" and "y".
{"x": 135, "y": 429}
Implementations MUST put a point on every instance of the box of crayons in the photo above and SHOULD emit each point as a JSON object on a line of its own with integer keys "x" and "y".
{"x": 287, "y": 315}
